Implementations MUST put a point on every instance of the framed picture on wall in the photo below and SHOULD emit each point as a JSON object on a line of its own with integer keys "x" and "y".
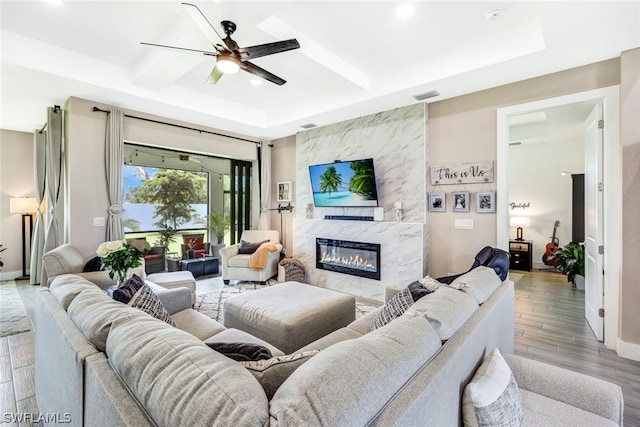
{"x": 460, "y": 201}
{"x": 437, "y": 202}
{"x": 284, "y": 191}
{"x": 486, "y": 201}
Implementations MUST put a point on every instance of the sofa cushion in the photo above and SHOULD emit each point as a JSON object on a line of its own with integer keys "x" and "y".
{"x": 446, "y": 309}
{"x": 239, "y": 261}
{"x": 179, "y": 380}
{"x": 350, "y": 382}
{"x": 271, "y": 373}
{"x": 67, "y": 286}
{"x": 542, "y": 411}
{"x": 241, "y": 351}
{"x": 480, "y": 283}
{"x": 492, "y": 397}
{"x": 93, "y": 312}
{"x": 197, "y": 324}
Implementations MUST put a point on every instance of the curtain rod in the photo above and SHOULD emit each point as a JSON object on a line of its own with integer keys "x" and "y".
{"x": 95, "y": 109}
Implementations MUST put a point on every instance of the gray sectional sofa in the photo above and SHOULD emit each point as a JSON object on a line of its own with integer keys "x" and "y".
{"x": 106, "y": 364}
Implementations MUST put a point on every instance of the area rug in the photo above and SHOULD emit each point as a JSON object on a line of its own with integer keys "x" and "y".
{"x": 13, "y": 316}
{"x": 210, "y": 303}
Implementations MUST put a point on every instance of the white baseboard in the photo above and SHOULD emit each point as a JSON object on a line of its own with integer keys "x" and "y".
{"x": 10, "y": 275}
{"x": 628, "y": 350}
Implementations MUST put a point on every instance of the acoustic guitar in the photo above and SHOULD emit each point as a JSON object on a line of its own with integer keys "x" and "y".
{"x": 552, "y": 247}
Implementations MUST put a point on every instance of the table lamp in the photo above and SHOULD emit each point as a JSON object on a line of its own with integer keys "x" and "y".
{"x": 519, "y": 222}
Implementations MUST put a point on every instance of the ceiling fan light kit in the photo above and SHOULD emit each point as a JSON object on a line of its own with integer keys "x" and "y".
{"x": 227, "y": 65}
{"x": 230, "y": 57}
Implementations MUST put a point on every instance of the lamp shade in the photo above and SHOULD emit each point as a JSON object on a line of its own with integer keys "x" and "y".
{"x": 519, "y": 221}
{"x": 22, "y": 205}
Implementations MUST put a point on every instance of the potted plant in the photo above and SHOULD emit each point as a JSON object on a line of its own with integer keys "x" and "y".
{"x": 570, "y": 261}
{"x": 218, "y": 224}
{"x": 191, "y": 253}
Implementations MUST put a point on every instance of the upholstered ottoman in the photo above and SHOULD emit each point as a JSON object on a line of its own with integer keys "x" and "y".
{"x": 175, "y": 279}
{"x": 289, "y": 315}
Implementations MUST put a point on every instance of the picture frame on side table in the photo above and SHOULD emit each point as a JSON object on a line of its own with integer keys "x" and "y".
{"x": 460, "y": 201}
{"x": 437, "y": 202}
{"x": 486, "y": 201}
{"x": 284, "y": 191}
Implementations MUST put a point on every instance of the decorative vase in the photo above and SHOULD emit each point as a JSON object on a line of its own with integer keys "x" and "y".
{"x": 191, "y": 254}
{"x": 579, "y": 282}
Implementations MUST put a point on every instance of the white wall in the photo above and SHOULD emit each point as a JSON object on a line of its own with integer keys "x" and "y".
{"x": 535, "y": 178}
{"x": 16, "y": 180}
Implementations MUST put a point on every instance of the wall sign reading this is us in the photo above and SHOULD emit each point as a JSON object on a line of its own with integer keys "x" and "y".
{"x": 462, "y": 173}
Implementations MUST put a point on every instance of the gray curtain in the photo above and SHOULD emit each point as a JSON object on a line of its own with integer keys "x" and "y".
{"x": 114, "y": 160}
{"x": 265, "y": 187}
{"x": 37, "y": 245}
{"x": 53, "y": 167}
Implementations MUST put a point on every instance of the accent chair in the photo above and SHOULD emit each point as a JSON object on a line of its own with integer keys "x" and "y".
{"x": 200, "y": 247}
{"x": 235, "y": 265}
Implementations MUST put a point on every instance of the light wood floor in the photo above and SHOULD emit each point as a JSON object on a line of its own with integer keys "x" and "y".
{"x": 549, "y": 326}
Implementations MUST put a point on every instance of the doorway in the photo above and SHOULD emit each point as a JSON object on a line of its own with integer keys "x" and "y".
{"x": 612, "y": 194}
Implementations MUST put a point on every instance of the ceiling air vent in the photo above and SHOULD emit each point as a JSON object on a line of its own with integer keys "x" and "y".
{"x": 309, "y": 126}
{"x": 426, "y": 95}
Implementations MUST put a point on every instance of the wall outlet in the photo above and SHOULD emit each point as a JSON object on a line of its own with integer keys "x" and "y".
{"x": 99, "y": 221}
{"x": 464, "y": 224}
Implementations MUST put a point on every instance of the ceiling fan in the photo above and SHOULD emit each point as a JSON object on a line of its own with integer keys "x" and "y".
{"x": 229, "y": 56}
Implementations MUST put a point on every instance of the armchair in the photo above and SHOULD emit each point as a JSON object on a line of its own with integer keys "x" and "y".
{"x": 200, "y": 247}
{"x": 154, "y": 260}
{"x": 235, "y": 266}
{"x": 67, "y": 259}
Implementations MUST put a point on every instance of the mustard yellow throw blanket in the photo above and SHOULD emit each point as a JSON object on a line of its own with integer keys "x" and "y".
{"x": 258, "y": 259}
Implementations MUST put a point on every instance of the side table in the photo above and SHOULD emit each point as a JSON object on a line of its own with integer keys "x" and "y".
{"x": 521, "y": 254}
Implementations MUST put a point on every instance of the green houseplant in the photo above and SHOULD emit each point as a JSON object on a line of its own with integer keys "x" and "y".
{"x": 218, "y": 224}
{"x": 571, "y": 260}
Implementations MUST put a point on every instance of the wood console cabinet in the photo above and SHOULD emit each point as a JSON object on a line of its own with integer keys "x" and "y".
{"x": 521, "y": 254}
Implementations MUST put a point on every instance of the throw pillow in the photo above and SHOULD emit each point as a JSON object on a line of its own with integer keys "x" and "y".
{"x": 492, "y": 398}
{"x": 249, "y": 247}
{"x": 128, "y": 289}
{"x": 417, "y": 290}
{"x": 393, "y": 309}
{"x": 135, "y": 293}
{"x": 430, "y": 283}
{"x": 94, "y": 264}
{"x": 273, "y": 372}
{"x": 241, "y": 351}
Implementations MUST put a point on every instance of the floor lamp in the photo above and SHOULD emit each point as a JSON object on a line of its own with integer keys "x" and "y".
{"x": 25, "y": 206}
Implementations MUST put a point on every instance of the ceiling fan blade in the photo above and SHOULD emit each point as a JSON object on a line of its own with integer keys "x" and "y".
{"x": 261, "y": 72}
{"x": 214, "y": 76}
{"x": 205, "y": 52}
{"x": 203, "y": 23}
{"x": 252, "y": 52}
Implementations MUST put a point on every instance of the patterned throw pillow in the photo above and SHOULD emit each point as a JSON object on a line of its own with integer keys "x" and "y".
{"x": 430, "y": 283}
{"x": 492, "y": 398}
{"x": 94, "y": 264}
{"x": 393, "y": 309}
{"x": 241, "y": 351}
{"x": 135, "y": 293}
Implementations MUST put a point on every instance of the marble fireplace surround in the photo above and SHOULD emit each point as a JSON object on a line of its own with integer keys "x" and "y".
{"x": 402, "y": 253}
{"x": 397, "y": 141}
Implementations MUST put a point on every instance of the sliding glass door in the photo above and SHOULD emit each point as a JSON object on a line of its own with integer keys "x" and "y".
{"x": 240, "y": 198}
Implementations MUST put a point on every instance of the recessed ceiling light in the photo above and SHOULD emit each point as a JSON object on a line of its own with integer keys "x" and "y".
{"x": 405, "y": 11}
{"x": 256, "y": 82}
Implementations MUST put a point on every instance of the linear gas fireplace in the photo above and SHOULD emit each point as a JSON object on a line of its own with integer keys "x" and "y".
{"x": 355, "y": 258}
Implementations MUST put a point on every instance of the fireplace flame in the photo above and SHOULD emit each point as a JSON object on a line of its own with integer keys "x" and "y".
{"x": 353, "y": 261}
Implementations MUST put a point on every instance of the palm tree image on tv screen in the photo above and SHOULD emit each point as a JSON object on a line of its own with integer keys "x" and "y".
{"x": 345, "y": 184}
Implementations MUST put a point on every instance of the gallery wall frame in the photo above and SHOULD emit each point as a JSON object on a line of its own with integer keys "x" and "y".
{"x": 486, "y": 201}
{"x": 437, "y": 202}
{"x": 460, "y": 201}
{"x": 284, "y": 191}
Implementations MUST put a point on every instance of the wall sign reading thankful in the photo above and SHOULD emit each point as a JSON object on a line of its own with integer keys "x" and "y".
{"x": 462, "y": 173}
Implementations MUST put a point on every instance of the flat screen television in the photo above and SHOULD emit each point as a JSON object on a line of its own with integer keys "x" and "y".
{"x": 344, "y": 184}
